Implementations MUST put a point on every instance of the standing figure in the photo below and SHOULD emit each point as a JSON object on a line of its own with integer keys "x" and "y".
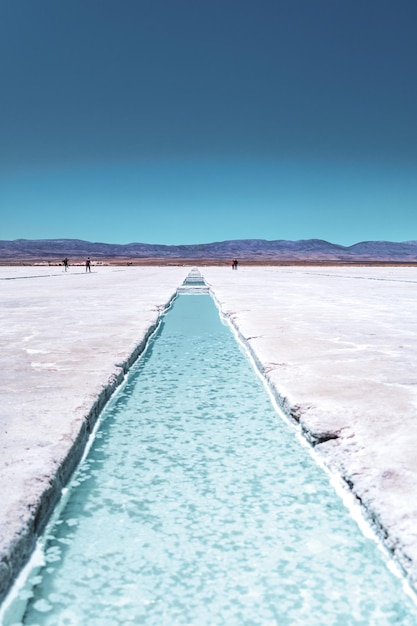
{"x": 235, "y": 264}
{"x": 65, "y": 262}
{"x": 88, "y": 265}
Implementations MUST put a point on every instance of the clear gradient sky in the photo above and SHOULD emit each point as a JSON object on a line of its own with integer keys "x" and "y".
{"x": 192, "y": 121}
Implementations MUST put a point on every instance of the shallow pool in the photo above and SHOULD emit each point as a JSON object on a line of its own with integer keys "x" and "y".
{"x": 198, "y": 505}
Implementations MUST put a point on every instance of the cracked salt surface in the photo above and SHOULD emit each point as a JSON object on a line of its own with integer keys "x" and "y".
{"x": 83, "y": 330}
{"x": 293, "y": 313}
{"x": 368, "y": 398}
{"x": 197, "y": 505}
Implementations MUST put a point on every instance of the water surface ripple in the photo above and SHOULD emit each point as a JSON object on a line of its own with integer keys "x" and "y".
{"x": 197, "y": 505}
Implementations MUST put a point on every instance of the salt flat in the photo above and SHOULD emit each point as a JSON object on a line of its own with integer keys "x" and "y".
{"x": 336, "y": 344}
{"x": 66, "y": 341}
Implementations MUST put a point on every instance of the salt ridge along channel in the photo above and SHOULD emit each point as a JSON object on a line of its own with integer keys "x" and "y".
{"x": 198, "y": 505}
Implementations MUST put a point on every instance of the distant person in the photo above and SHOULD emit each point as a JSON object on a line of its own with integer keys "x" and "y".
{"x": 235, "y": 264}
{"x": 88, "y": 265}
{"x": 65, "y": 262}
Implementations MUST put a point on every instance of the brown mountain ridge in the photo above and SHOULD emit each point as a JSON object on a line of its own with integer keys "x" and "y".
{"x": 250, "y": 250}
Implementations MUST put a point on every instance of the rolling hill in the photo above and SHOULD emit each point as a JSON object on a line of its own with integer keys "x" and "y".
{"x": 308, "y": 250}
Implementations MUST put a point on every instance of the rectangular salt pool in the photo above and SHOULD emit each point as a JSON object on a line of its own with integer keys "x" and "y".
{"x": 197, "y": 505}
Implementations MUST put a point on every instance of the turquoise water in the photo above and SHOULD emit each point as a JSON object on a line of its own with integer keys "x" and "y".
{"x": 197, "y": 505}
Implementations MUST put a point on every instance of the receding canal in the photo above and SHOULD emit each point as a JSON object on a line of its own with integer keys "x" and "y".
{"x": 198, "y": 505}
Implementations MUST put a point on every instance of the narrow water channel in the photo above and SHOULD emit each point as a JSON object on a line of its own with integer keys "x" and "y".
{"x": 198, "y": 506}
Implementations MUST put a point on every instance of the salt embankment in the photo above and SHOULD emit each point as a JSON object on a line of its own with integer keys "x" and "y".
{"x": 66, "y": 341}
{"x": 336, "y": 344}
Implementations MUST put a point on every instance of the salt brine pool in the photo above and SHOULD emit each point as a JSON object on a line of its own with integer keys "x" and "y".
{"x": 198, "y": 505}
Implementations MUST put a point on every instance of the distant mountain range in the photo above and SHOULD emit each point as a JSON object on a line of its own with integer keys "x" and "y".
{"x": 311, "y": 250}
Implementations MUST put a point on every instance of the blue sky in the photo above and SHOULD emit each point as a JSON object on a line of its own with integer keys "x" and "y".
{"x": 188, "y": 121}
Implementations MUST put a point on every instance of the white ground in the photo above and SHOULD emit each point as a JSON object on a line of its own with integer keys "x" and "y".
{"x": 337, "y": 345}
